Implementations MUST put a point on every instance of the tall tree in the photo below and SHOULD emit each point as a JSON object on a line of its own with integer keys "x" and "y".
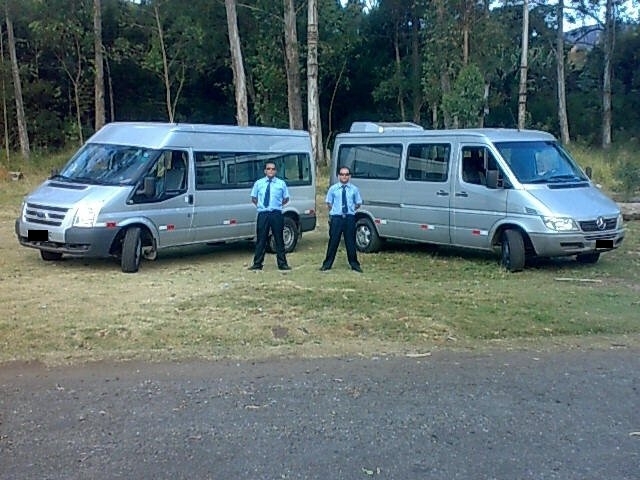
{"x": 313, "y": 96}
{"x": 239, "y": 79}
{"x": 609, "y": 38}
{"x": 522, "y": 91}
{"x": 17, "y": 88}
{"x": 99, "y": 65}
{"x": 562, "y": 100}
{"x": 292, "y": 66}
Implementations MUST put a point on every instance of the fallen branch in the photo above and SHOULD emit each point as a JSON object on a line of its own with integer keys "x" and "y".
{"x": 584, "y": 280}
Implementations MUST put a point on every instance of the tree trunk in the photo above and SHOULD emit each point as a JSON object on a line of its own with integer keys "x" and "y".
{"x": 522, "y": 94}
{"x": 399, "y": 76}
{"x": 17, "y": 87}
{"x": 562, "y": 100}
{"x": 5, "y": 109}
{"x": 609, "y": 36}
{"x": 313, "y": 96}
{"x": 165, "y": 63}
{"x": 292, "y": 66}
{"x": 99, "y": 65}
{"x": 416, "y": 64}
{"x": 239, "y": 79}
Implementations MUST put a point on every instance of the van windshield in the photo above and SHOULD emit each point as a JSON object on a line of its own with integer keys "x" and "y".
{"x": 103, "y": 164}
{"x": 540, "y": 162}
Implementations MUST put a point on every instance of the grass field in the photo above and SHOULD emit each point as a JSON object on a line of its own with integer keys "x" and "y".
{"x": 203, "y": 302}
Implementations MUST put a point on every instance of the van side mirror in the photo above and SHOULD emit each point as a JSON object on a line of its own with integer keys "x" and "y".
{"x": 492, "y": 178}
{"x": 589, "y": 172}
{"x": 148, "y": 187}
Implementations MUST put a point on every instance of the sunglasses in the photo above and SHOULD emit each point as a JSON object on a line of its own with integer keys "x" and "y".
{"x": 270, "y": 168}
{"x": 344, "y": 174}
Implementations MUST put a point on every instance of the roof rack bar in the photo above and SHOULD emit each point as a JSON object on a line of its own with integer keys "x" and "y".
{"x": 382, "y": 127}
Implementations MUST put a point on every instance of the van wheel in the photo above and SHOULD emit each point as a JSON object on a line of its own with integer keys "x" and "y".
{"x": 367, "y": 238}
{"x": 513, "y": 254}
{"x": 290, "y": 235}
{"x": 50, "y": 256}
{"x": 592, "y": 257}
{"x": 131, "y": 250}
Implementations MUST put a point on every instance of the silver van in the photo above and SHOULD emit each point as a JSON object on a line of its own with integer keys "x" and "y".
{"x": 136, "y": 188}
{"x": 516, "y": 192}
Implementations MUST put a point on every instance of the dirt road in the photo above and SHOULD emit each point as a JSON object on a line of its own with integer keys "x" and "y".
{"x": 450, "y": 415}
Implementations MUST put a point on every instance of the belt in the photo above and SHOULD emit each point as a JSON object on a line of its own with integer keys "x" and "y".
{"x": 343, "y": 215}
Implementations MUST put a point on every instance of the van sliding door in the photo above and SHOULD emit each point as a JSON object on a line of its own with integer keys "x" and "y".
{"x": 426, "y": 193}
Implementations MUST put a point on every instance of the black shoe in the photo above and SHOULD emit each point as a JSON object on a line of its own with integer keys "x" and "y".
{"x": 255, "y": 267}
{"x": 356, "y": 269}
{"x": 324, "y": 269}
{"x": 284, "y": 267}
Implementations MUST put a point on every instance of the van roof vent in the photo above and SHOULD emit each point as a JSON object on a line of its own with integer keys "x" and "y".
{"x": 382, "y": 127}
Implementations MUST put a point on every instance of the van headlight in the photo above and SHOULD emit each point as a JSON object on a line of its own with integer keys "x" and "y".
{"x": 620, "y": 221}
{"x": 560, "y": 224}
{"x": 86, "y": 215}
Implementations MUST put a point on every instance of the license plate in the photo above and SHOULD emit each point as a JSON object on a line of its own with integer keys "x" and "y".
{"x": 604, "y": 243}
{"x": 38, "y": 235}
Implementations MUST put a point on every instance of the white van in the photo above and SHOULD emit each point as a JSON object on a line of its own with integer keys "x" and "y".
{"x": 136, "y": 188}
{"x": 517, "y": 192}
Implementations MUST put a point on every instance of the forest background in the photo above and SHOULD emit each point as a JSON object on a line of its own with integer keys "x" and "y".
{"x": 69, "y": 66}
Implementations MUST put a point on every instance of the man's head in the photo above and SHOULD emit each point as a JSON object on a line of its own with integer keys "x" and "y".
{"x": 270, "y": 169}
{"x": 344, "y": 175}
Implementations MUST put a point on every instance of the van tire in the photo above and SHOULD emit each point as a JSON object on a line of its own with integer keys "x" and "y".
{"x": 513, "y": 253}
{"x": 367, "y": 238}
{"x": 290, "y": 234}
{"x": 131, "y": 250}
{"x": 50, "y": 256}
{"x": 588, "y": 258}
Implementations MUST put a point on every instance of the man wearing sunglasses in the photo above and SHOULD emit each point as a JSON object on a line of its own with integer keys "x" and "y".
{"x": 343, "y": 199}
{"x": 269, "y": 194}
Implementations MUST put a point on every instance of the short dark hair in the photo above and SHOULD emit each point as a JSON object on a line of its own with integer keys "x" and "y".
{"x": 344, "y": 167}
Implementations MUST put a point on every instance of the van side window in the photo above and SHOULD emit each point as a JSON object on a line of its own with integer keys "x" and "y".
{"x": 229, "y": 170}
{"x": 380, "y": 161}
{"x": 474, "y": 169}
{"x": 428, "y": 162}
{"x": 169, "y": 174}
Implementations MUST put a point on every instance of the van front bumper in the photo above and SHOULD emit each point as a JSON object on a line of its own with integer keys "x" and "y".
{"x": 557, "y": 245}
{"x": 82, "y": 242}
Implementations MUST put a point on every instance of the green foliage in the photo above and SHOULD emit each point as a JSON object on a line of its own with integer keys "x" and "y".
{"x": 627, "y": 172}
{"x": 359, "y": 76}
{"x": 464, "y": 102}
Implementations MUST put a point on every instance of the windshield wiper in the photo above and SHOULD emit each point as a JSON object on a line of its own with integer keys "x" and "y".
{"x": 57, "y": 176}
{"x": 566, "y": 176}
{"x": 557, "y": 179}
{"x": 89, "y": 180}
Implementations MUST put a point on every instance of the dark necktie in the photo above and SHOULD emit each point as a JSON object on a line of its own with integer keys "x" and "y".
{"x": 267, "y": 194}
{"x": 344, "y": 200}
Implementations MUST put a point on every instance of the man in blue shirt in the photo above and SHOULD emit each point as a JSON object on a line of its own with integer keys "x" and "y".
{"x": 269, "y": 194}
{"x": 343, "y": 199}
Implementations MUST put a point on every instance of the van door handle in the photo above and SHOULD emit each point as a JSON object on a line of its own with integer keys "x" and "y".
{"x": 462, "y": 194}
{"x": 189, "y": 199}
{"x": 442, "y": 193}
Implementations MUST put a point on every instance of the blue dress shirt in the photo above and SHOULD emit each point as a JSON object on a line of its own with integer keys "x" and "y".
{"x": 278, "y": 193}
{"x": 334, "y": 198}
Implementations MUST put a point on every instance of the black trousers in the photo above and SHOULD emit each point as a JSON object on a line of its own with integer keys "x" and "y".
{"x": 342, "y": 226}
{"x": 274, "y": 221}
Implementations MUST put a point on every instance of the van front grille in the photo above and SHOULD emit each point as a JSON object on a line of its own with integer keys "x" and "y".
{"x": 45, "y": 215}
{"x": 592, "y": 225}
